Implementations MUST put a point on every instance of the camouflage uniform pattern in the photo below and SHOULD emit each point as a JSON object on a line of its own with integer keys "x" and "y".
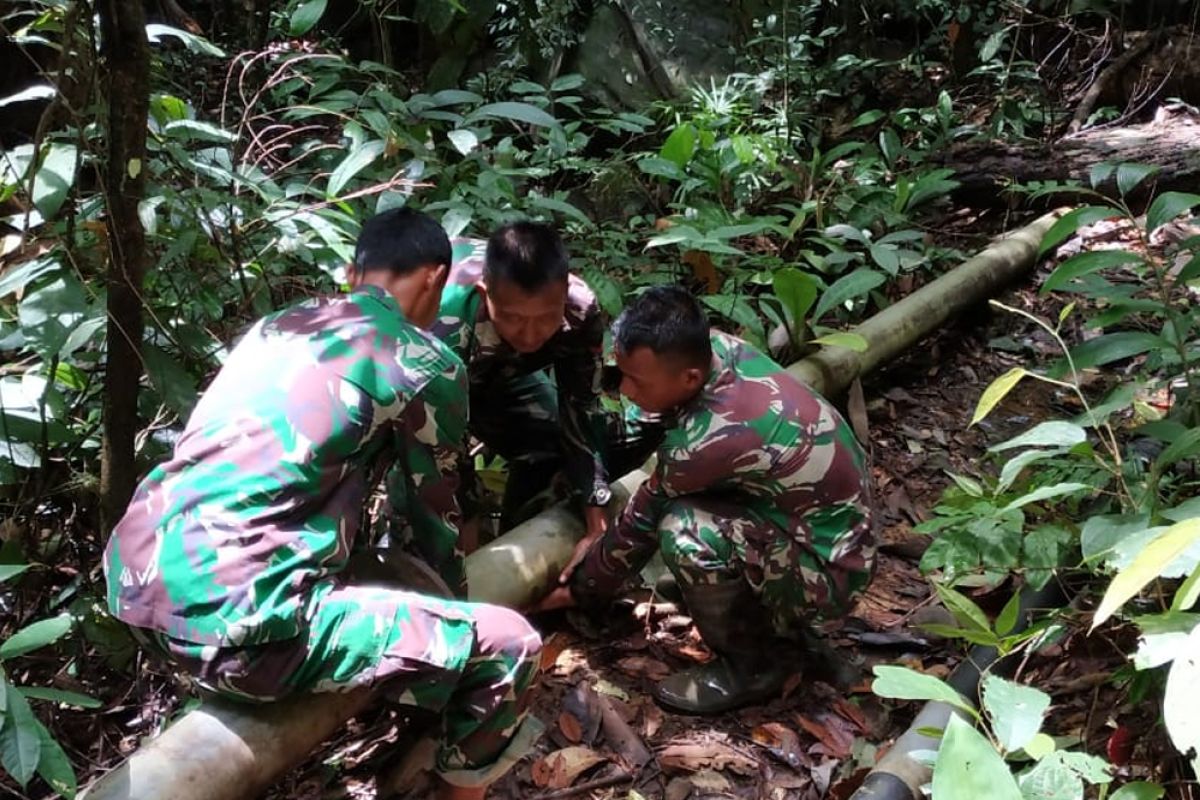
{"x": 535, "y": 423}
{"x": 758, "y": 477}
{"x": 231, "y": 553}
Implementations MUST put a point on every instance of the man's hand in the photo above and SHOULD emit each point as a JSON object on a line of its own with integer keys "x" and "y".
{"x": 561, "y": 597}
{"x": 597, "y": 524}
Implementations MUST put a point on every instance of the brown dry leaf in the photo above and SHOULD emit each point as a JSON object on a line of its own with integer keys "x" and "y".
{"x": 570, "y": 727}
{"x": 559, "y": 769}
{"x": 831, "y": 731}
{"x": 678, "y": 789}
{"x": 792, "y": 684}
{"x": 781, "y": 742}
{"x": 644, "y": 667}
{"x": 710, "y": 781}
{"x": 709, "y": 755}
{"x": 853, "y": 713}
{"x": 552, "y": 648}
{"x": 652, "y": 720}
{"x": 704, "y": 270}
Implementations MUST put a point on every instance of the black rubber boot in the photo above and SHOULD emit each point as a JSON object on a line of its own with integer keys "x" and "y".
{"x": 748, "y": 668}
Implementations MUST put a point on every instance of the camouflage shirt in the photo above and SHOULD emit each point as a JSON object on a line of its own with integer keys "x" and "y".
{"x": 761, "y": 439}
{"x": 574, "y": 352}
{"x": 228, "y": 541}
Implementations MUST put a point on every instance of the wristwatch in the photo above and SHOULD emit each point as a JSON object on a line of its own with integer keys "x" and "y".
{"x": 600, "y": 496}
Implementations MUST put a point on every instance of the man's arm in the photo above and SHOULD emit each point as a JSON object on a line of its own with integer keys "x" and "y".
{"x": 432, "y": 433}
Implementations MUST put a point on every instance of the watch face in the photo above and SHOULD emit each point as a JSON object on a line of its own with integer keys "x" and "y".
{"x": 603, "y": 495}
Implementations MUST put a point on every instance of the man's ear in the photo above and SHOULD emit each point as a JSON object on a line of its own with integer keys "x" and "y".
{"x": 693, "y": 377}
{"x": 436, "y": 276}
{"x": 354, "y": 275}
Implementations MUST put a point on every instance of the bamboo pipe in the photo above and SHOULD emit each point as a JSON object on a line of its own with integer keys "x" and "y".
{"x": 226, "y": 751}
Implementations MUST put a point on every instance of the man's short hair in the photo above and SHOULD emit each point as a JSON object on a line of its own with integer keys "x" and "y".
{"x": 669, "y": 321}
{"x": 529, "y": 254}
{"x": 399, "y": 240}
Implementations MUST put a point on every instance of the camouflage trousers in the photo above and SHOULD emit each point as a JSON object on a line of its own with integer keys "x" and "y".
{"x": 714, "y": 540}
{"x": 474, "y": 663}
{"x": 519, "y": 420}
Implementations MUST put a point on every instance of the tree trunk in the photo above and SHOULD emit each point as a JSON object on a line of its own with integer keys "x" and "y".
{"x": 1171, "y": 142}
{"x": 127, "y": 59}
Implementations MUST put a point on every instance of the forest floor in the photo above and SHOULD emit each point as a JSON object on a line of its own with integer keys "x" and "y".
{"x": 815, "y": 742}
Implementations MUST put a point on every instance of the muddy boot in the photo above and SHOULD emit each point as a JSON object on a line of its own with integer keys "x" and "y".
{"x": 748, "y": 668}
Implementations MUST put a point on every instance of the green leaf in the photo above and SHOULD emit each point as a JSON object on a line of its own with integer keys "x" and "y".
{"x": 846, "y": 288}
{"x": 16, "y": 279}
{"x": 1167, "y": 206}
{"x": 20, "y": 745}
{"x": 50, "y": 312}
{"x": 561, "y": 207}
{"x": 902, "y": 683}
{"x": 355, "y": 162}
{"x": 886, "y": 257}
{"x": 60, "y": 696}
{"x": 1045, "y": 493}
{"x": 964, "y": 609}
{"x": 1007, "y": 620}
{"x": 1016, "y": 711}
{"x": 1138, "y": 790}
{"x": 31, "y": 637}
{"x": 1012, "y": 467}
{"x": 1085, "y": 264}
{"x": 1149, "y": 564}
{"x": 1051, "y": 779}
{"x": 193, "y": 43}
{"x": 1101, "y": 172}
{"x": 54, "y": 178}
{"x": 306, "y": 15}
{"x": 969, "y": 768}
{"x": 9, "y": 571}
{"x": 516, "y": 112}
{"x": 991, "y": 45}
{"x": 1130, "y": 175}
{"x": 968, "y": 485}
{"x": 53, "y": 765}
{"x": 1055, "y": 433}
{"x": 996, "y": 391}
{"x": 464, "y": 141}
{"x": 42, "y": 91}
{"x": 1187, "y": 445}
{"x": 680, "y": 145}
{"x": 1072, "y": 221}
{"x": 1115, "y": 347}
{"x": 846, "y": 339}
{"x": 175, "y": 385}
{"x": 1179, "y": 701}
{"x": 796, "y": 291}
{"x": 1163, "y": 637}
{"x": 1188, "y": 593}
{"x": 1040, "y": 746}
{"x": 196, "y": 131}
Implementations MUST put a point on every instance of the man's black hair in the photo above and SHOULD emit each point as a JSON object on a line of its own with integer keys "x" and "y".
{"x": 669, "y": 321}
{"x": 399, "y": 240}
{"x": 529, "y": 254}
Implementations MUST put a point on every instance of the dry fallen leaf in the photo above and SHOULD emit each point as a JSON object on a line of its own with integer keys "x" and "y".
{"x": 709, "y": 755}
{"x": 853, "y": 713}
{"x": 781, "y": 742}
{"x": 559, "y": 769}
{"x": 552, "y": 648}
{"x": 652, "y": 720}
{"x": 831, "y": 731}
{"x": 678, "y": 789}
{"x": 704, "y": 269}
{"x": 710, "y": 781}
{"x": 570, "y": 727}
{"x": 644, "y": 667}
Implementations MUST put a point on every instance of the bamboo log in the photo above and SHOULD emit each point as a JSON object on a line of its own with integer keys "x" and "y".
{"x": 226, "y": 751}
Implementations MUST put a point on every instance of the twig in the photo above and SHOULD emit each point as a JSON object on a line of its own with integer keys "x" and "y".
{"x": 1106, "y": 77}
{"x": 615, "y": 779}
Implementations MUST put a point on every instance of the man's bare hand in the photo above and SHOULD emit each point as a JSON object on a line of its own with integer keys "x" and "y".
{"x": 559, "y": 598}
{"x": 597, "y": 524}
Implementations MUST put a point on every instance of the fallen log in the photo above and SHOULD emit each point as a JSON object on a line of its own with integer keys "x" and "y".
{"x": 227, "y": 751}
{"x": 1171, "y": 142}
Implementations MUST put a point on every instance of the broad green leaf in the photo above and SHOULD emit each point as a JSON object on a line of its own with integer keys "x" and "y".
{"x": 1188, "y": 593}
{"x": 20, "y": 745}
{"x": 9, "y": 571}
{"x": 736, "y": 308}
{"x": 964, "y": 609}
{"x": 1072, "y": 221}
{"x": 1185, "y": 446}
{"x": 846, "y": 288}
{"x": 1085, "y": 264}
{"x": 1179, "y": 701}
{"x": 16, "y": 279}
{"x": 1103, "y": 533}
{"x": 1167, "y": 206}
{"x": 967, "y": 634}
{"x": 676, "y": 234}
{"x": 1016, "y": 711}
{"x": 60, "y": 696}
{"x": 969, "y": 768}
{"x": 193, "y": 43}
{"x": 661, "y": 168}
{"x": 54, "y": 178}
{"x": 680, "y": 145}
{"x": 1130, "y": 175}
{"x": 796, "y": 291}
{"x": 1007, "y": 619}
{"x": 886, "y": 257}
{"x": 38, "y": 634}
{"x": 1163, "y": 637}
{"x": 464, "y": 141}
{"x": 516, "y": 112}
{"x": 1042, "y": 551}
{"x": 902, "y": 683}
{"x": 1101, "y": 172}
{"x": 53, "y": 765}
{"x": 1012, "y": 468}
{"x": 850, "y": 341}
{"x": 175, "y": 385}
{"x": 1045, "y": 493}
{"x": 560, "y": 206}
{"x": 1115, "y": 347}
{"x": 1138, "y": 790}
{"x": 39, "y": 92}
{"x": 1055, "y": 433}
{"x": 307, "y": 14}
{"x": 357, "y": 160}
{"x": 991, "y": 45}
{"x": 996, "y": 391}
{"x": 50, "y": 312}
{"x": 1040, "y": 746}
{"x": 196, "y": 131}
{"x": 1051, "y": 779}
{"x": 1149, "y": 564}
{"x": 968, "y": 485}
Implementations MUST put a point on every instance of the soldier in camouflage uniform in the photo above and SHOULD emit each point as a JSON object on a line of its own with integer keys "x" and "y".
{"x": 232, "y": 555}
{"x": 512, "y": 310}
{"x": 760, "y": 502}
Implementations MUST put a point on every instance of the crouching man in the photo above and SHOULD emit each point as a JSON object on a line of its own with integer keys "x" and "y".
{"x": 760, "y": 503}
{"x": 231, "y": 558}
